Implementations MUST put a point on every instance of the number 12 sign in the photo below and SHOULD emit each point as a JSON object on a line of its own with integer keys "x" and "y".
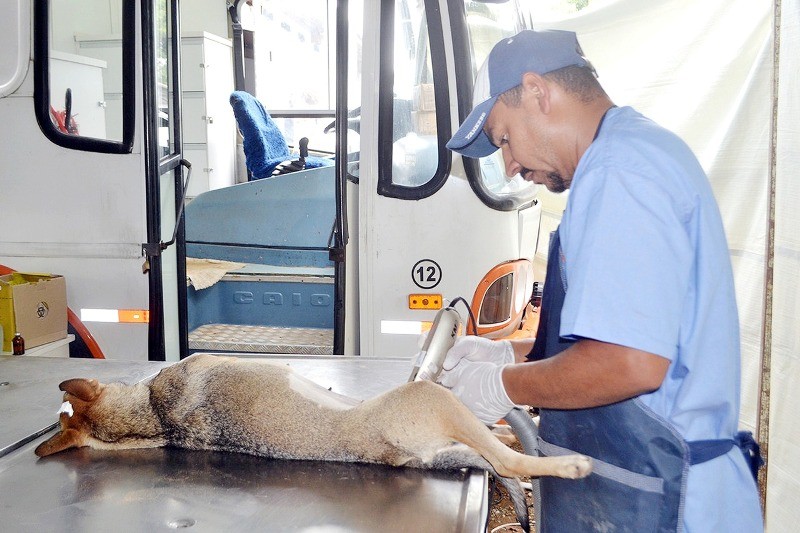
{"x": 426, "y": 274}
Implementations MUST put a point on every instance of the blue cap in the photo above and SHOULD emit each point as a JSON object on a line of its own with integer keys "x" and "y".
{"x": 528, "y": 51}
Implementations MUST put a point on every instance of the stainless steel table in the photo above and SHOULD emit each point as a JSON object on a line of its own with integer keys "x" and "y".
{"x": 165, "y": 489}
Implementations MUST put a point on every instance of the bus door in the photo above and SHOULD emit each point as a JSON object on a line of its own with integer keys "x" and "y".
{"x": 276, "y": 228}
{"x": 166, "y": 179}
{"x": 432, "y": 227}
{"x": 105, "y": 90}
{"x": 73, "y": 186}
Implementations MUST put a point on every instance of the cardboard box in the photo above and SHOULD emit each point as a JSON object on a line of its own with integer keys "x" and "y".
{"x": 424, "y": 97}
{"x": 424, "y": 122}
{"x": 35, "y": 305}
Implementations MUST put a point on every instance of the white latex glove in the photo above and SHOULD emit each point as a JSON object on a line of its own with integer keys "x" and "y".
{"x": 478, "y": 349}
{"x": 479, "y": 386}
{"x": 471, "y": 348}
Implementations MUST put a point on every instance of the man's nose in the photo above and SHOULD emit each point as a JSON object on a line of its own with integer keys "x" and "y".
{"x": 512, "y": 167}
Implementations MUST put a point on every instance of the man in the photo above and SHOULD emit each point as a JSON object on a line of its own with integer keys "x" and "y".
{"x": 636, "y": 361}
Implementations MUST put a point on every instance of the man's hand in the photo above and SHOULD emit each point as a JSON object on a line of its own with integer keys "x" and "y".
{"x": 479, "y": 386}
{"x": 471, "y": 348}
{"x": 478, "y": 349}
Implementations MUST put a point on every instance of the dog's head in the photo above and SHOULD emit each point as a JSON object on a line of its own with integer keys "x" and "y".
{"x": 75, "y": 416}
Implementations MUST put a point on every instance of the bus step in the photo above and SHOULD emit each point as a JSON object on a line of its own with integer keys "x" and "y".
{"x": 261, "y": 339}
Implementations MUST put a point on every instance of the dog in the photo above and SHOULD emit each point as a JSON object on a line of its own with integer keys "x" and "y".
{"x": 263, "y": 408}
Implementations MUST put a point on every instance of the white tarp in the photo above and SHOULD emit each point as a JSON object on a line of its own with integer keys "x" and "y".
{"x": 705, "y": 70}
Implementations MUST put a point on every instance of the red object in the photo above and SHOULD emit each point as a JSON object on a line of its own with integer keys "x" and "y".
{"x": 76, "y": 324}
{"x": 60, "y": 120}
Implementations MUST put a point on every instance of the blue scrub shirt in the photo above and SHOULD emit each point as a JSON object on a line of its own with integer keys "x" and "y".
{"x": 647, "y": 266}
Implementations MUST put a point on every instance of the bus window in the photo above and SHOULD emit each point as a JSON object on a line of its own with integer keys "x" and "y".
{"x": 413, "y": 128}
{"x": 84, "y": 74}
{"x": 487, "y": 24}
{"x": 354, "y": 71}
{"x": 295, "y": 78}
{"x": 163, "y": 78}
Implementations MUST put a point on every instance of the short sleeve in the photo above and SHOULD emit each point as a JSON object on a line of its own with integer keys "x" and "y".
{"x": 627, "y": 258}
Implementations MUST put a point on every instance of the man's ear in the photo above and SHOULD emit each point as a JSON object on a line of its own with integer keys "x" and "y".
{"x": 536, "y": 86}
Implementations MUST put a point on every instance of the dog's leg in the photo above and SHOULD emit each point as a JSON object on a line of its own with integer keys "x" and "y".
{"x": 469, "y": 430}
{"x": 422, "y": 418}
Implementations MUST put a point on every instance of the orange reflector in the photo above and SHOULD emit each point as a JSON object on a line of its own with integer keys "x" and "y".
{"x": 134, "y": 316}
{"x": 424, "y": 301}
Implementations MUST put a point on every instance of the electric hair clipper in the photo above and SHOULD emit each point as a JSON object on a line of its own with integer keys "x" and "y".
{"x": 440, "y": 339}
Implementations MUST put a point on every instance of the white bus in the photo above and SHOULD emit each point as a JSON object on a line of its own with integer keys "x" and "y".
{"x": 352, "y": 257}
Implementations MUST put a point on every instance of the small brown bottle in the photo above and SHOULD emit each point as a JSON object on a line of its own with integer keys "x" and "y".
{"x": 19, "y": 344}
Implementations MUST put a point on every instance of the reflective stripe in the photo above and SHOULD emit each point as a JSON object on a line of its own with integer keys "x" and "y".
{"x": 402, "y": 327}
{"x": 128, "y": 316}
{"x": 609, "y": 471}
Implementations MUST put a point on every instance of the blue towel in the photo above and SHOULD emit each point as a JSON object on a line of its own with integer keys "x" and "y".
{"x": 264, "y": 145}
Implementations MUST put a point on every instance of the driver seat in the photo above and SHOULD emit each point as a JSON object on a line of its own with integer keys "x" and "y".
{"x": 264, "y": 145}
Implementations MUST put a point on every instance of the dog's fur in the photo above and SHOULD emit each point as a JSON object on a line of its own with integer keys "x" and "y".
{"x": 209, "y": 402}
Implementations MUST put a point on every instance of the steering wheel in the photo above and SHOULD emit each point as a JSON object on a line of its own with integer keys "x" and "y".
{"x": 353, "y": 122}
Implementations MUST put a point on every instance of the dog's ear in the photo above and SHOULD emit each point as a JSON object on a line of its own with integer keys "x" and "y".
{"x": 63, "y": 440}
{"x": 84, "y": 389}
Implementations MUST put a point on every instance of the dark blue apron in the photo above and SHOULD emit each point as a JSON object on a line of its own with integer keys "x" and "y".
{"x": 640, "y": 461}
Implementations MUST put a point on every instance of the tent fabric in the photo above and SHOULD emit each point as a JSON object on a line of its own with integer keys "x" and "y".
{"x": 705, "y": 71}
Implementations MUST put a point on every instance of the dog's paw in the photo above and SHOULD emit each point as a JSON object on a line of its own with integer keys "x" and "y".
{"x": 575, "y": 466}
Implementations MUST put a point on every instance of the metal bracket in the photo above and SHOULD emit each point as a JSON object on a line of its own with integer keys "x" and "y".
{"x": 154, "y": 249}
{"x": 336, "y": 254}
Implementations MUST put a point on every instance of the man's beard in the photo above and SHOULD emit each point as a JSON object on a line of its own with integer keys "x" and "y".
{"x": 556, "y": 183}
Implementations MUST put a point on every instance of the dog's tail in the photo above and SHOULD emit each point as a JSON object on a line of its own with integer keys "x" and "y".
{"x": 461, "y": 456}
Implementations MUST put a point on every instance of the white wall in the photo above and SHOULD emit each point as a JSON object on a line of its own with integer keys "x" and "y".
{"x": 83, "y": 17}
{"x": 205, "y": 15}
